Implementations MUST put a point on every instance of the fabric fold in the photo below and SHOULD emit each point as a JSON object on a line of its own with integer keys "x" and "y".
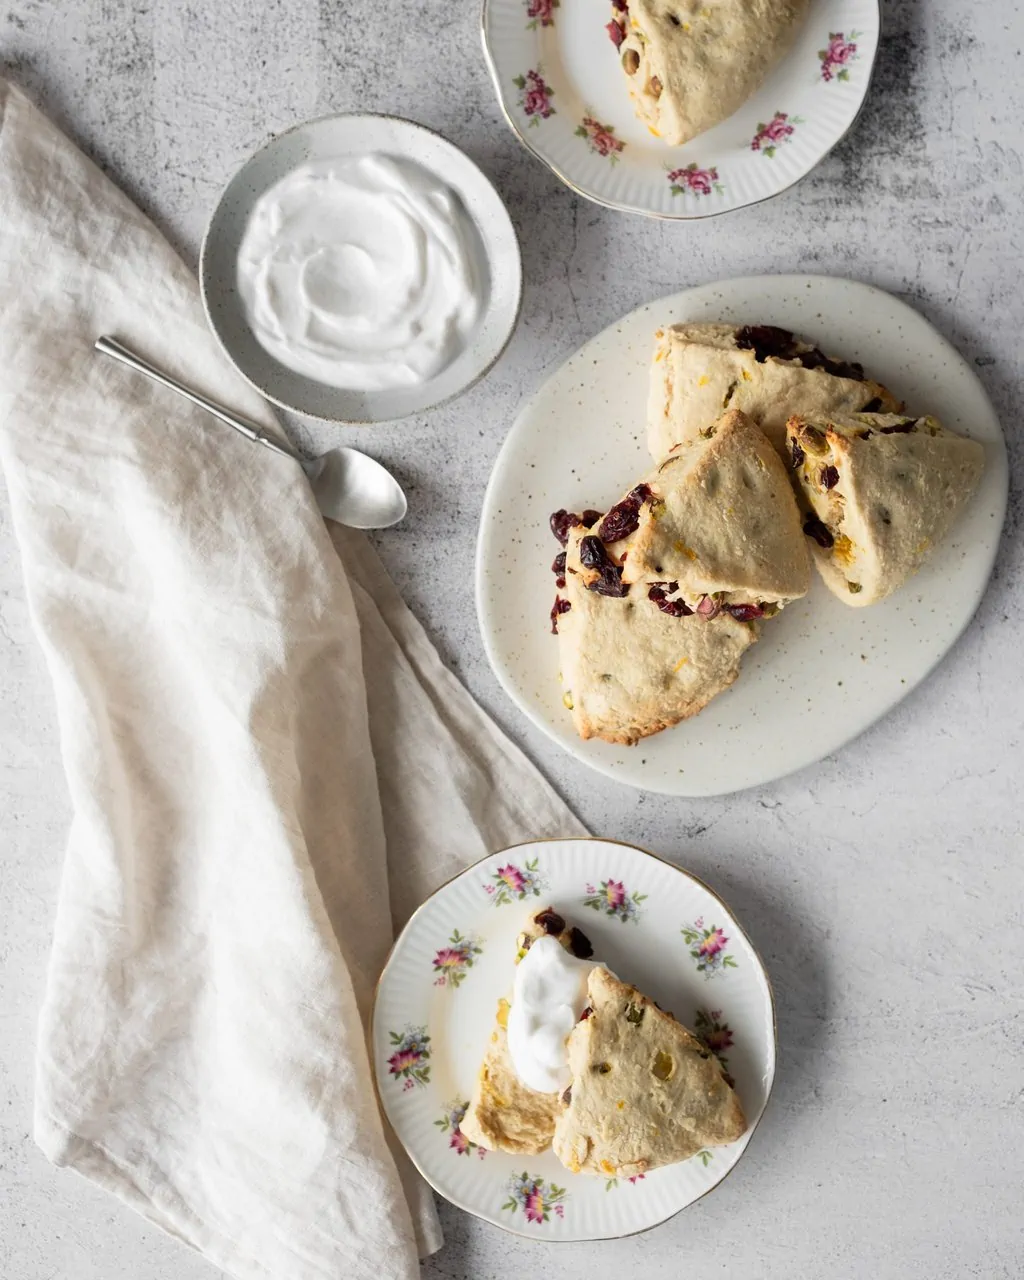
{"x": 257, "y": 738}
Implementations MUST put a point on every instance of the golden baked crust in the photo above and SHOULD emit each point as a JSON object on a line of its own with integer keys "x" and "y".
{"x": 699, "y": 370}
{"x": 645, "y": 1092}
{"x": 720, "y": 520}
{"x": 691, "y": 63}
{"x": 884, "y": 490}
{"x": 630, "y": 670}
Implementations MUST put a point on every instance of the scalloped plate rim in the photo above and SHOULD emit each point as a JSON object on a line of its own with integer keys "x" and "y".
{"x": 379, "y": 1078}
{"x": 620, "y": 206}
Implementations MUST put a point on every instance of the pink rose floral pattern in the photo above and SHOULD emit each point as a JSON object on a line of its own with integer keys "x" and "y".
{"x": 707, "y": 947}
{"x": 715, "y": 1035}
{"x": 693, "y": 180}
{"x": 411, "y": 1056}
{"x": 534, "y": 97}
{"x": 769, "y": 137}
{"x": 614, "y": 900}
{"x": 453, "y": 962}
{"x": 537, "y": 1199}
{"x": 836, "y": 59}
{"x": 449, "y": 1124}
{"x": 600, "y": 138}
{"x": 515, "y": 884}
{"x": 614, "y": 1182}
{"x": 541, "y": 13}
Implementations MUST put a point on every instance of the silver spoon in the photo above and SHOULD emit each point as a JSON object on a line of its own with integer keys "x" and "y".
{"x": 349, "y": 486}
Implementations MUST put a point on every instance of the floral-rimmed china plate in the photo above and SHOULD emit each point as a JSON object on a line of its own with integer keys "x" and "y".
{"x": 655, "y": 926}
{"x": 559, "y": 83}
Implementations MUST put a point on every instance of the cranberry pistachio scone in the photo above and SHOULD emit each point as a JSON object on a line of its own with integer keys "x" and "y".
{"x": 691, "y": 63}
{"x": 503, "y": 1113}
{"x": 645, "y": 1092}
{"x": 635, "y": 659}
{"x": 881, "y": 491}
{"x": 718, "y": 521}
{"x": 700, "y": 370}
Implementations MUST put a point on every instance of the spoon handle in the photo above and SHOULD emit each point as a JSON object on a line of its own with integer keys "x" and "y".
{"x": 251, "y": 430}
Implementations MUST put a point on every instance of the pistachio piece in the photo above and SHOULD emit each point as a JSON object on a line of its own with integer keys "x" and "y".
{"x": 631, "y": 62}
{"x": 634, "y": 1013}
{"x": 663, "y": 1065}
{"x": 654, "y": 87}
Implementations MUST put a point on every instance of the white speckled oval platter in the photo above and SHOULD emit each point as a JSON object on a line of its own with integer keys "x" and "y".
{"x": 559, "y": 83}
{"x": 821, "y": 673}
{"x": 654, "y": 925}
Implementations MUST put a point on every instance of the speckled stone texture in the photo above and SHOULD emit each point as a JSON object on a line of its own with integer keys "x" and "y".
{"x": 883, "y": 886}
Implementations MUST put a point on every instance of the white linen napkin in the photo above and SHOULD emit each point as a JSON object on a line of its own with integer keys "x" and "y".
{"x": 266, "y": 759}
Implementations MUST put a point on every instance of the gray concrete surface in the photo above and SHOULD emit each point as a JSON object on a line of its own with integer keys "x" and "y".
{"x": 883, "y": 886}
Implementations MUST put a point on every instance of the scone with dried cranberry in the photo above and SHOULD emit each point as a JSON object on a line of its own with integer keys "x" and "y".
{"x": 645, "y": 1092}
{"x": 503, "y": 1113}
{"x": 635, "y": 659}
{"x": 700, "y": 370}
{"x": 717, "y": 522}
{"x": 881, "y": 491}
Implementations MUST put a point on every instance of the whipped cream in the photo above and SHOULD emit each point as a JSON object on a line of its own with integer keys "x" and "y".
{"x": 549, "y": 996}
{"x": 361, "y": 273}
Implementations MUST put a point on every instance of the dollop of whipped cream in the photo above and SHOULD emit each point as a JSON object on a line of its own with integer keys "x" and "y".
{"x": 550, "y": 994}
{"x": 361, "y": 273}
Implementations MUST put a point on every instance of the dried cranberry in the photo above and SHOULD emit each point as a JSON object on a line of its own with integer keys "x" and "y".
{"x": 590, "y": 517}
{"x": 616, "y": 34}
{"x": 609, "y": 576}
{"x": 550, "y": 921}
{"x": 829, "y": 477}
{"x": 814, "y": 528}
{"x": 899, "y": 428}
{"x": 873, "y": 406}
{"x": 579, "y": 944}
{"x": 815, "y": 359}
{"x": 796, "y": 453}
{"x": 561, "y": 522}
{"x": 621, "y": 5}
{"x": 766, "y": 340}
{"x": 567, "y": 1096}
{"x": 558, "y": 569}
{"x": 624, "y": 517}
{"x": 659, "y": 594}
{"x": 559, "y": 607}
{"x": 745, "y": 612}
{"x": 586, "y": 1013}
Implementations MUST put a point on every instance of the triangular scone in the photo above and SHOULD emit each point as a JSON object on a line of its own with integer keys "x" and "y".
{"x": 630, "y": 666}
{"x": 718, "y": 520}
{"x": 699, "y": 370}
{"x": 503, "y": 1114}
{"x": 691, "y": 63}
{"x": 645, "y": 1092}
{"x": 882, "y": 491}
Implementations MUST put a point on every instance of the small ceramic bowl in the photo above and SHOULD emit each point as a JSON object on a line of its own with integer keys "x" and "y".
{"x": 337, "y": 137}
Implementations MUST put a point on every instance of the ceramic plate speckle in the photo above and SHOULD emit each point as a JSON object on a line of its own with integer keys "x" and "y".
{"x": 558, "y": 79}
{"x": 822, "y": 672}
{"x": 651, "y": 923}
{"x": 333, "y": 138}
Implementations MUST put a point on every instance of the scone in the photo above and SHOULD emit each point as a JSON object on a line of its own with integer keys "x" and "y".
{"x": 700, "y": 370}
{"x": 691, "y": 63}
{"x": 632, "y": 662}
{"x": 716, "y": 521}
{"x": 503, "y": 1114}
{"x": 881, "y": 491}
{"x": 645, "y": 1092}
